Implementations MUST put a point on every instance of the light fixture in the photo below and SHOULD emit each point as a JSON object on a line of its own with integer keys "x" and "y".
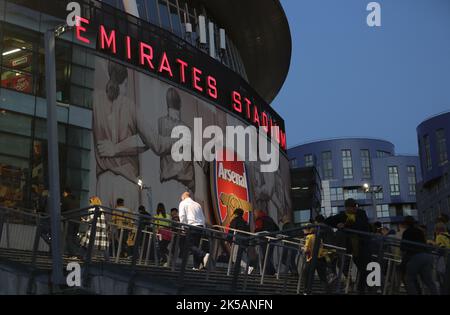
{"x": 13, "y": 51}
{"x": 140, "y": 183}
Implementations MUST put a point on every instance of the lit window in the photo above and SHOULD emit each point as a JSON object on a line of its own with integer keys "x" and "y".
{"x": 365, "y": 162}
{"x": 347, "y": 164}
{"x": 394, "y": 181}
{"x": 383, "y": 211}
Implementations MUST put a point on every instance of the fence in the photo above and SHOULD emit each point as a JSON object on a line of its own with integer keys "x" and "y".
{"x": 119, "y": 228}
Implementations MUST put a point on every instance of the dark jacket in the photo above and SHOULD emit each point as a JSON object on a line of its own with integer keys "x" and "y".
{"x": 412, "y": 234}
{"x": 238, "y": 223}
{"x": 355, "y": 244}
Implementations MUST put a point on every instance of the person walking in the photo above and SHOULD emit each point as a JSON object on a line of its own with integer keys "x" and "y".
{"x": 163, "y": 224}
{"x": 238, "y": 224}
{"x": 442, "y": 240}
{"x": 101, "y": 243}
{"x": 191, "y": 213}
{"x": 264, "y": 223}
{"x": 289, "y": 256}
{"x": 123, "y": 221}
{"x": 416, "y": 259}
{"x": 357, "y": 245}
{"x": 321, "y": 263}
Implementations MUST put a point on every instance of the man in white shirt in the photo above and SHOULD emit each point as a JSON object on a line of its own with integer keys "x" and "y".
{"x": 191, "y": 213}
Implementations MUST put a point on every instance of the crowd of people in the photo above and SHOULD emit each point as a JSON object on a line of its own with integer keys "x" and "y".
{"x": 422, "y": 269}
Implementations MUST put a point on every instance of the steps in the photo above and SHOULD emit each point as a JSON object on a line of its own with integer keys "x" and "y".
{"x": 195, "y": 282}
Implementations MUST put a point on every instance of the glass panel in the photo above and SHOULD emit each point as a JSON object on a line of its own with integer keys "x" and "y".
{"x": 164, "y": 14}
{"x": 15, "y": 145}
{"x": 14, "y": 123}
{"x": 152, "y": 12}
{"x": 13, "y": 175}
{"x": 176, "y": 22}
{"x": 17, "y": 80}
{"x": 79, "y": 137}
{"x": 78, "y": 158}
{"x": 142, "y": 10}
{"x": 40, "y": 130}
{"x": 78, "y": 179}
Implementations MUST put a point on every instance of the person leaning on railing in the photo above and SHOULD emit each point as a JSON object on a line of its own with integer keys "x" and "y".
{"x": 357, "y": 245}
{"x": 417, "y": 259}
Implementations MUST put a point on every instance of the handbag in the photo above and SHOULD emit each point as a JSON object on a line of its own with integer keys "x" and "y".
{"x": 166, "y": 235}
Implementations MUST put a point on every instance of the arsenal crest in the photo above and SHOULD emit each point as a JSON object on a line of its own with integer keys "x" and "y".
{"x": 230, "y": 189}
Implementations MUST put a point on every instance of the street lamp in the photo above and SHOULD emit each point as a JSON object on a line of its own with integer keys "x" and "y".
{"x": 148, "y": 190}
{"x": 373, "y": 190}
{"x": 53, "y": 152}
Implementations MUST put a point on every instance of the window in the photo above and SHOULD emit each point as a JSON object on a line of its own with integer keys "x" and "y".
{"x": 382, "y": 154}
{"x": 302, "y": 216}
{"x": 412, "y": 180}
{"x": 383, "y": 211}
{"x": 294, "y": 163}
{"x": 379, "y": 195}
{"x": 394, "y": 181}
{"x": 442, "y": 146}
{"x": 365, "y": 163}
{"x": 355, "y": 193}
{"x": 18, "y": 55}
{"x": 327, "y": 165}
{"x": 427, "y": 148}
{"x": 309, "y": 160}
{"x": 347, "y": 164}
{"x": 152, "y": 12}
{"x": 164, "y": 14}
{"x": 336, "y": 194}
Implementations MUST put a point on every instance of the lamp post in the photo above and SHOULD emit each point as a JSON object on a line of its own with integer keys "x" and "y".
{"x": 53, "y": 154}
{"x": 148, "y": 189}
{"x": 373, "y": 190}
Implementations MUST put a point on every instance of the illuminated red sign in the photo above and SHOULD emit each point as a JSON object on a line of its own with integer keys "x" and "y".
{"x": 230, "y": 189}
{"x": 180, "y": 70}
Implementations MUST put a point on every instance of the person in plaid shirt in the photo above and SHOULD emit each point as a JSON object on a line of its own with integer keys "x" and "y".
{"x": 101, "y": 236}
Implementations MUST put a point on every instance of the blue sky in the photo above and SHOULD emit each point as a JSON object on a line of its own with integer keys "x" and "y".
{"x": 347, "y": 79}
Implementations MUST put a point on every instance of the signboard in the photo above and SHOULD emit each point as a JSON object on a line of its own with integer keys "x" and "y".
{"x": 164, "y": 55}
{"x": 21, "y": 83}
{"x": 230, "y": 189}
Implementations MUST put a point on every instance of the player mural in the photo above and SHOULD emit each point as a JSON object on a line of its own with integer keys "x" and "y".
{"x": 133, "y": 116}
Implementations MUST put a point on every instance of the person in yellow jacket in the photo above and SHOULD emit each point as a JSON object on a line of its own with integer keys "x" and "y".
{"x": 321, "y": 263}
{"x": 442, "y": 240}
{"x": 123, "y": 219}
{"x": 163, "y": 224}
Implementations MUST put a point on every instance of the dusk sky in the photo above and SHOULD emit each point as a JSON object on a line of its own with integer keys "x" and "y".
{"x": 347, "y": 79}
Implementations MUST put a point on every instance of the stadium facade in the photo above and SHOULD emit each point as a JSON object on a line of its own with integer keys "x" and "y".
{"x": 126, "y": 75}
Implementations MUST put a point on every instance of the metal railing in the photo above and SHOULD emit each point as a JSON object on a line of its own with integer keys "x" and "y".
{"x": 272, "y": 250}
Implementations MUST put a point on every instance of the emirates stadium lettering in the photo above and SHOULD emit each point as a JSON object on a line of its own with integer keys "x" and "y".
{"x": 232, "y": 177}
{"x": 162, "y": 61}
